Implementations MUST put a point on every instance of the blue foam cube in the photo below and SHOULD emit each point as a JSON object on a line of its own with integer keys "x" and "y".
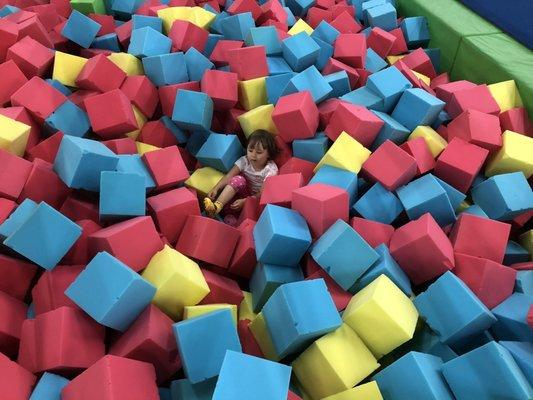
{"x": 385, "y": 265}
{"x": 147, "y": 42}
{"x": 111, "y": 292}
{"x": 313, "y": 81}
{"x": 325, "y": 32}
{"x": 451, "y": 309}
{"x": 389, "y": 84}
{"x": 133, "y": 164}
{"x": 515, "y": 253}
{"x": 164, "y": 393}
{"x": 197, "y": 64}
{"x": 8, "y": 10}
{"x": 475, "y": 210}
{"x": 343, "y": 254}
{"x": 59, "y": 86}
{"x": 291, "y": 19}
{"x": 184, "y": 389}
{"x": 79, "y": 162}
{"x": 196, "y": 141}
{"x": 417, "y": 107}
{"x": 17, "y": 218}
{"x": 455, "y": 196}
{"x": 442, "y": 119}
{"x": 266, "y": 278}
{"x": 522, "y": 352}
{"x": 281, "y": 236}
{"x": 106, "y": 42}
{"x": 300, "y": 7}
{"x": 45, "y": 226}
{"x": 216, "y": 25}
{"x": 426, "y": 341}
{"x": 166, "y": 69}
{"x": 300, "y": 51}
{"x": 80, "y": 29}
{"x": 178, "y": 133}
{"x": 203, "y": 342}
{"x": 141, "y": 21}
{"x": 426, "y": 195}
{"x": 391, "y": 130}
{"x": 415, "y": 31}
{"x": 511, "y": 314}
{"x": 366, "y": 5}
{"x": 413, "y": 376}
{"x": 276, "y": 85}
{"x": 338, "y": 177}
{"x": 339, "y": 82}
{"x": 238, "y": 26}
{"x": 212, "y": 41}
{"x": 69, "y": 119}
{"x": 364, "y": 97}
{"x": 192, "y": 110}
{"x": 486, "y": 373}
{"x": 298, "y": 313}
{"x": 382, "y": 16}
{"x": 504, "y": 196}
{"x": 278, "y": 65}
{"x": 220, "y": 152}
{"x": 247, "y": 377}
{"x": 266, "y": 36}
{"x": 123, "y": 9}
{"x": 434, "y": 55}
{"x": 310, "y": 149}
{"x": 122, "y": 195}
{"x": 49, "y": 387}
{"x": 324, "y": 54}
{"x": 374, "y": 62}
{"x": 379, "y": 204}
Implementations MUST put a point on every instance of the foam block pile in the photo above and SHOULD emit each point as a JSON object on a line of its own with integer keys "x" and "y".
{"x": 389, "y": 259}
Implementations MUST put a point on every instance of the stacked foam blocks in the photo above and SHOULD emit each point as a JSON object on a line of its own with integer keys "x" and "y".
{"x": 389, "y": 259}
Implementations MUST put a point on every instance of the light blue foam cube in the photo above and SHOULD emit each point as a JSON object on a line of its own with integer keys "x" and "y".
{"x": 277, "y": 66}
{"x": 123, "y": 9}
{"x": 374, "y": 62}
{"x": 391, "y": 130}
{"x": 203, "y": 342}
{"x": 192, "y": 110}
{"x": 266, "y": 36}
{"x": 49, "y": 387}
{"x": 382, "y": 16}
{"x": 389, "y": 84}
{"x": 313, "y": 81}
{"x": 299, "y": 7}
{"x": 300, "y": 51}
{"x": 8, "y": 10}
{"x": 338, "y": 177}
{"x": 339, "y": 82}
{"x": 522, "y": 352}
{"x": 475, "y": 210}
{"x": 379, "y": 204}
{"x": 69, "y": 119}
{"x": 122, "y": 195}
{"x": 276, "y": 84}
{"x": 415, "y": 31}
{"x": 326, "y": 32}
{"x": 17, "y": 218}
{"x": 511, "y": 315}
{"x": 238, "y": 26}
{"x": 220, "y": 152}
{"x": 417, "y": 107}
{"x": 364, "y": 97}
{"x": 59, "y": 86}
{"x": 166, "y": 69}
{"x": 324, "y": 54}
{"x": 147, "y": 42}
{"x": 196, "y": 141}
{"x": 133, "y": 164}
{"x": 455, "y": 196}
{"x": 106, "y": 42}
{"x": 141, "y": 21}
{"x": 80, "y": 29}
{"x": 197, "y": 64}
{"x": 310, "y": 149}
{"x": 515, "y": 253}
{"x": 45, "y": 237}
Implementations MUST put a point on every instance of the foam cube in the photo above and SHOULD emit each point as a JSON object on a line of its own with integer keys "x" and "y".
{"x": 185, "y": 35}
{"x": 345, "y": 153}
{"x": 264, "y": 36}
{"x": 67, "y": 68}
{"x": 237, "y": 27}
{"x": 516, "y": 120}
{"x": 15, "y": 173}
{"x": 389, "y": 84}
{"x": 374, "y": 233}
{"x": 369, "y": 391}
{"x": 414, "y": 374}
{"x": 220, "y": 152}
{"x": 142, "y": 93}
{"x": 252, "y": 93}
{"x": 166, "y": 69}
{"x": 296, "y": 116}
{"x": 177, "y": 279}
{"x": 198, "y": 118}
{"x": 195, "y": 311}
{"x": 491, "y": 282}
{"x": 99, "y": 73}
{"x": 453, "y": 317}
{"x": 49, "y": 387}
{"x": 133, "y": 164}
{"x": 512, "y": 156}
{"x": 378, "y": 204}
{"x": 477, "y": 128}
{"x": 17, "y": 382}
{"x": 244, "y": 259}
{"x": 13, "y": 315}
{"x": 512, "y": 318}
{"x": 69, "y": 119}
{"x": 17, "y": 218}
{"x": 221, "y": 86}
{"x": 277, "y": 189}
{"x": 355, "y": 120}
{"x": 289, "y": 323}
{"x": 521, "y": 353}
{"x": 197, "y": 64}
{"x": 217, "y": 333}
{"x": 261, "y": 334}
{"x": 312, "y": 80}
{"x": 33, "y": 58}
{"x": 166, "y": 166}
{"x": 204, "y": 179}
{"x": 14, "y": 135}
{"x": 121, "y": 194}
{"x": 80, "y": 29}
{"x": 223, "y": 290}
{"x": 281, "y": 236}
{"x": 474, "y": 98}
{"x": 350, "y": 48}
{"x": 185, "y": 389}
{"x": 434, "y": 141}
{"x": 422, "y": 249}
{"x": 324, "y": 368}
{"x": 15, "y": 78}
{"x": 417, "y": 107}
{"x": 484, "y": 362}
{"x": 300, "y": 51}
{"x": 260, "y": 118}
{"x": 113, "y": 376}
{"x": 248, "y": 62}
{"x": 243, "y": 376}
{"x": 333, "y": 176}
{"x": 372, "y": 304}
{"x": 147, "y": 42}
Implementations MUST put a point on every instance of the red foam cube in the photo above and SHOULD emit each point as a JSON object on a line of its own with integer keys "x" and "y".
{"x": 220, "y": 56}
{"x": 373, "y": 232}
{"x": 390, "y": 165}
{"x": 247, "y": 339}
{"x": 278, "y": 189}
{"x": 446, "y": 90}
{"x": 185, "y": 34}
{"x": 516, "y": 120}
{"x": 346, "y": 24}
{"x": 321, "y": 205}
{"x": 315, "y": 15}
{"x": 285, "y": 152}
{"x": 419, "y": 61}
{"x": 170, "y": 210}
{"x": 150, "y": 339}
{"x": 79, "y": 252}
{"x": 490, "y": 281}
{"x": 273, "y": 10}
{"x": 476, "y": 98}
{"x": 167, "y": 94}
{"x": 12, "y": 80}
{"x": 399, "y": 46}
{"x": 419, "y": 150}
{"x": 157, "y": 134}
{"x": 39, "y": 98}
{"x": 244, "y": 258}
{"x": 12, "y": 315}
{"x": 294, "y": 165}
{"x": 476, "y": 127}
{"x": 242, "y": 6}
{"x": 33, "y": 58}
{"x": 222, "y": 290}
{"x": 133, "y": 242}
{"x": 422, "y": 249}
{"x": 335, "y": 66}
{"x": 380, "y": 41}
{"x": 459, "y": 163}
{"x": 13, "y": 174}
{"x": 439, "y": 80}
{"x": 142, "y": 93}
{"x": 113, "y": 377}
{"x": 124, "y": 33}
{"x": 357, "y": 121}
{"x": 326, "y": 110}
{"x": 208, "y": 240}
{"x": 296, "y": 116}
{"x": 27, "y": 356}
{"x": 107, "y": 23}
{"x": 222, "y": 87}
{"x": 248, "y": 62}
{"x": 480, "y": 237}
{"x": 77, "y": 208}
{"x": 32, "y": 27}
{"x": 111, "y": 114}
{"x": 166, "y": 166}
{"x": 79, "y": 97}
{"x": 6, "y": 208}
{"x": 9, "y": 33}
{"x": 16, "y": 382}
{"x": 123, "y": 145}
{"x": 101, "y": 74}
{"x": 17, "y": 276}
{"x": 250, "y": 210}
{"x": 350, "y": 48}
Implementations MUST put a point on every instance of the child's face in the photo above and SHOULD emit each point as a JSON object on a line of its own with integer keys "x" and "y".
{"x": 257, "y": 155}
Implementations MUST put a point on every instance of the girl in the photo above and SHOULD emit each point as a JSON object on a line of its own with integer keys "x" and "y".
{"x": 247, "y": 175}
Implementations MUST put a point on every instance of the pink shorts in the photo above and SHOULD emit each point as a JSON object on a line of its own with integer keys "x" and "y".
{"x": 239, "y": 184}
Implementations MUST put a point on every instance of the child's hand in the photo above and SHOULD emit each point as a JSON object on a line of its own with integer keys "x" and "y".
{"x": 237, "y": 204}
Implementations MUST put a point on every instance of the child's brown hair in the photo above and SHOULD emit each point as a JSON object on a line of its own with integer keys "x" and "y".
{"x": 267, "y": 141}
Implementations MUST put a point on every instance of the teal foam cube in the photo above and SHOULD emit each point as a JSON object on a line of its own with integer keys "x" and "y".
{"x": 299, "y": 7}
{"x": 339, "y": 82}
{"x": 166, "y": 69}
{"x": 278, "y": 66}
{"x": 338, "y": 177}
{"x": 522, "y": 352}
{"x": 312, "y": 80}
{"x": 276, "y": 84}
{"x": 266, "y": 36}
{"x": 49, "y": 387}
{"x": 133, "y": 164}
{"x": 122, "y": 195}
{"x": 69, "y": 119}
{"x": 17, "y": 218}
{"x": 147, "y": 42}
{"x": 80, "y": 29}
{"x": 300, "y": 51}
{"x": 415, "y": 31}
{"x": 391, "y": 130}
{"x": 324, "y": 54}
{"x": 220, "y": 151}
{"x": 238, "y": 26}
{"x": 197, "y": 64}
{"x": 389, "y": 84}
{"x": 382, "y": 16}
{"x": 59, "y": 86}
{"x": 310, "y": 149}
{"x": 192, "y": 110}
{"x": 511, "y": 315}
{"x": 326, "y": 32}
{"x": 379, "y": 204}
{"x": 417, "y": 107}
{"x": 365, "y": 97}
{"x": 374, "y": 62}
{"x": 107, "y": 42}
{"x": 141, "y": 21}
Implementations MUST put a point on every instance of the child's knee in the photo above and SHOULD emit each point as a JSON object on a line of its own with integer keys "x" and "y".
{"x": 238, "y": 183}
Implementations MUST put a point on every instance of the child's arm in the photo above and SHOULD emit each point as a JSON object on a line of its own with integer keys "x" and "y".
{"x": 224, "y": 181}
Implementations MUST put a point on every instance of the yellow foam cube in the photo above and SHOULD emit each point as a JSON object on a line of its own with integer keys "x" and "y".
{"x": 516, "y": 154}
{"x": 392, "y": 59}
{"x": 368, "y": 391}
{"x": 196, "y": 311}
{"x": 506, "y": 95}
{"x": 300, "y": 26}
{"x": 141, "y": 120}
{"x": 382, "y": 315}
{"x": 128, "y": 63}
{"x": 246, "y": 309}
{"x": 203, "y": 180}
{"x": 435, "y": 142}
{"x": 463, "y": 206}
{"x": 260, "y": 332}
{"x": 334, "y": 363}
{"x": 345, "y": 153}
{"x": 67, "y": 68}
{"x": 258, "y": 118}
{"x": 422, "y": 77}
{"x": 143, "y": 148}
{"x": 13, "y": 135}
{"x": 170, "y": 14}
{"x": 526, "y": 240}
{"x": 178, "y": 280}
{"x": 202, "y": 18}
{"x": 252, "y": 93}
